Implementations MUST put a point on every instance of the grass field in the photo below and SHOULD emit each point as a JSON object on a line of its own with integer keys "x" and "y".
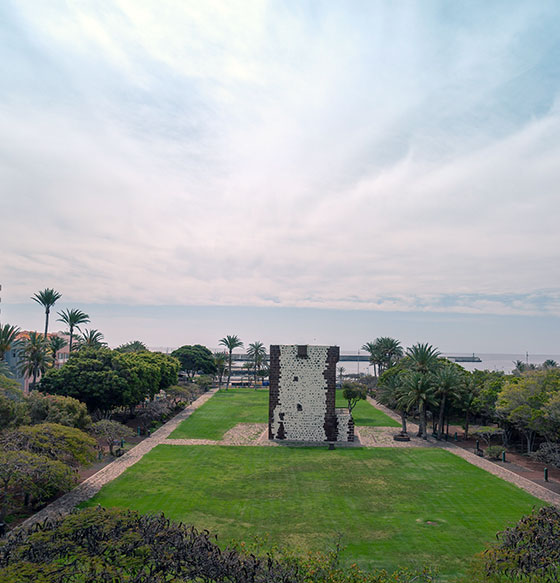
{"x": 392, "y": 506}
{"x": 228, "y": 408}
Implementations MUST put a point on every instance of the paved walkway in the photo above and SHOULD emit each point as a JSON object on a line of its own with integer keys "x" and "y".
{"x": 88, "y": 488}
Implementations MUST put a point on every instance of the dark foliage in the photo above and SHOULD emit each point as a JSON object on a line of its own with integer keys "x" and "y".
{"x": 96, "y": 544}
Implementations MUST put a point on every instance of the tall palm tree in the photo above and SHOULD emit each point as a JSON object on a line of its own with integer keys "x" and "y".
{"x": 56, "y": 343}
{"x": 220, "y": 359}
{"x": 417, "y": 392}
{"x": 257, "y": 356}
{"x": 374, "y": 356}
{"x": 447, "y": 383}
{"x": 231, "y": 342}
{"x": 34, "y": 357}
{"x": 8, "y": 339}
{"x": 91, "y": 339}
{"x": 47, "y": 298}
{"x": 423, "y": 358}
{"x": 73, "y": 318}
{"x": 390, "y": 351}
{"x": 132, "y": 346}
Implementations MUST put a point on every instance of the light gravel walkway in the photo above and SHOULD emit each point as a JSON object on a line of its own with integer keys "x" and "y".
{"x": 88, "y": 488}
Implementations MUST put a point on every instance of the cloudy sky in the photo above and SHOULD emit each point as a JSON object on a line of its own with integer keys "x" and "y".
{"x": 367, "y": 158}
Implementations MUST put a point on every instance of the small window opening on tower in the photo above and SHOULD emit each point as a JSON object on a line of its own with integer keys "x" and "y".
{"x": 299, "y": 407}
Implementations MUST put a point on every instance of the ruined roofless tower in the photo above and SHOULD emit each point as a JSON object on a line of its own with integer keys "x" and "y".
{"x": 302, "y": 395}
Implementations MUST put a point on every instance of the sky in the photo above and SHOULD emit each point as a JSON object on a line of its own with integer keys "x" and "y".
{"x": 288, "y": 171}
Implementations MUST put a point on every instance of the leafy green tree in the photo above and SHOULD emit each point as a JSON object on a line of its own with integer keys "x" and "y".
{"x": 58, "y": 442}
{"x": 168, "y": 367}
{"x": 91, "y": 339}
{"x": 220, "y": 360}
{"x": 8, "y": 339}
{"x": 107, "y": 432}
{"x": 73, "y": 318}
{"x": 177, "y": 393}
{"x": 58, "y": 409}
{"x": 353, "y": 392}
{"x": 549, "y": 363}
{"x": 55, "y": 344}
{"x": 132, "y": 346}
{"x": 257, "y": 357}
{"x": 38, "y": 476}
{"x": 195, "y": 359}
{"x": 13, "y": 408}
{"x": 47, "y": 298}
{"x": 34, "y": 357}
{"x": 230, "y": 342}
{"x": 467, "y": 398}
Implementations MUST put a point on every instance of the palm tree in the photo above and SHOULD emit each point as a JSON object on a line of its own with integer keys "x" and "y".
{"x": 47, "y": 298}
{"x": 257, "y": 356}
{"x": 423, "y": 358}
{"x": 341, "y": 370}
{"x": 56, "y": 343}
{"x": 447, "y": 383}
{"x": 220, "y": 359}
{"x": 389, "y": 393}
{"x": 8, "y": 339}
{"x": 34, "y": 357}
{"x": 73, "y": 318}
{"x": 91, "y": 339}
{"x": 231, "y": 342}
{"x": 390, "y": 351}
{"x": 549, "y": 363}
{"x": 132, "y": 346}
{"x": 374, "y": 355}
{"x": 417, "y": 392}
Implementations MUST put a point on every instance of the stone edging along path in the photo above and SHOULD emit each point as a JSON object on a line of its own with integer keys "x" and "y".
{"x": 89, "y": 487}
{"x": 507, "y": 475}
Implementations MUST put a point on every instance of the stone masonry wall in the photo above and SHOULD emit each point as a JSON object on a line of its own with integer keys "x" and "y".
{"x": 302, "y": 394}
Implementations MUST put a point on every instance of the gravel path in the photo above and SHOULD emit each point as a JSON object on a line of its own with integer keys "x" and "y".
{"x": 92, "y": 485}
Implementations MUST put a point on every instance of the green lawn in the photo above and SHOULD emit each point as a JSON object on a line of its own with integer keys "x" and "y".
{"x": 222, "y": 412}
{"x": 393, "y": 506}
{"x": 365, "y": 414}
{"x": 228, "y": 408}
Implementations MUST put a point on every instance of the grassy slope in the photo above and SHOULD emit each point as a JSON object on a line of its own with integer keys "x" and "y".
{"x": 379, "y": 499}
{"x": 227, "y": 408}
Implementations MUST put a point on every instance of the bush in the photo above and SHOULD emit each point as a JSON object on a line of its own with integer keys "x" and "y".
{"x": 548, "y": 453}
{"x": 58, "y": 409}
{"x": 494, "y": 452}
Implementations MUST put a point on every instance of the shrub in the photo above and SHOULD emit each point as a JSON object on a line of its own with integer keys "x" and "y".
{"x": 58, "y": 409}
{"x": 494, "y": 452}
{"x": 548, "y": 453}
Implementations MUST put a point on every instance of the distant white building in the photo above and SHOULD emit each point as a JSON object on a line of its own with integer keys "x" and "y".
{"x": 303, "y": 393}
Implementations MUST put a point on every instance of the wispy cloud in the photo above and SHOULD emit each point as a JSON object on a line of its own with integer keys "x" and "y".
{"x": 263, "y": 153}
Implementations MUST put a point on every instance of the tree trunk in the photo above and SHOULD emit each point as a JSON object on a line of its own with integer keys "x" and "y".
{"x": 403, "y": 421}
{"x": 467, "y": 423}
{"x": 229, "y": 371}
{"x": 425, "y": 421}
{"x": 46, "y": 323}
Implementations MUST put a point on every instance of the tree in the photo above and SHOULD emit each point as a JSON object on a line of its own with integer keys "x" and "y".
{"x": 384, "y": 353}
{"x": 132, "y": 346}
{"x": 231, "y": 342}
{"x": 107, "y": 432}
{"x": 8, "y": 339}
{"x": 341, "y": 371}
{"x": 353, "y": 392}
{"x": 58, "y": 442}
{"x": 195, "y": 359}
{"x": 13, "y": 407}
{"x": 549, "y": 363}
{"x": 40, "y": 477}
{"x": 73, "y": 318}
{"x": 58, "y": 409}
{"x": 417, "y": 391}
{"x": 257, "y": 357}
{"x": 374, "y": 356}
{"x": 34, "y": 357}
{"x": 47, "y": 298}
{"x": 220, "y": 360}
{"x": 179, "y": 393}
{"x": 447, "y": 381}
{"x": 91, "y": 339}
{"x": 390, "y": 392}
{"x": 422, "y": 358}
{"x": 56, "y": 343}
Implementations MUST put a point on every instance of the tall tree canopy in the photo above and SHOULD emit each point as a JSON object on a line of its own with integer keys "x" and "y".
{"x": 231, "y": 342}
{"x": 195, "y": 359}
